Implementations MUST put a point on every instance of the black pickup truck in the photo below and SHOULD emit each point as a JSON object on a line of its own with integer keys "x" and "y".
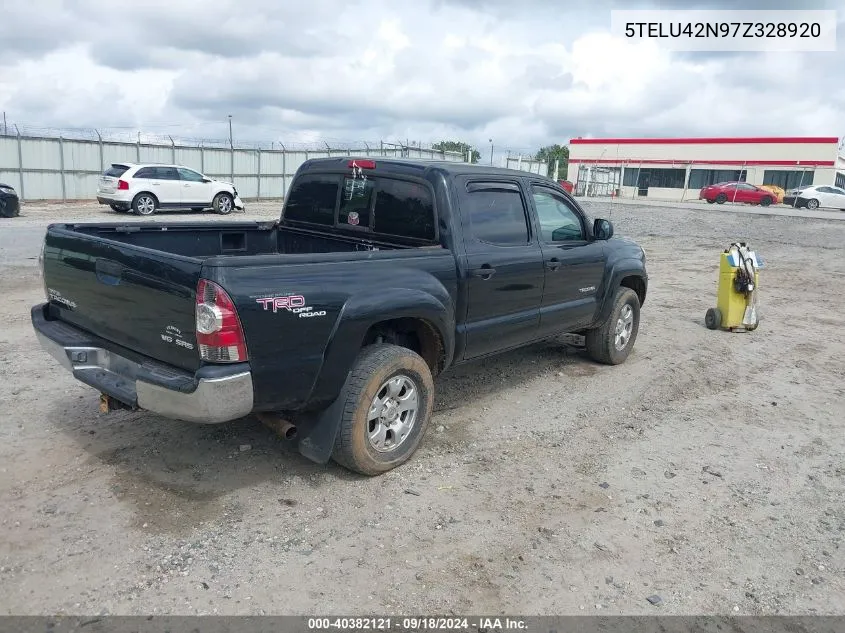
{"x": 331, "y": 322}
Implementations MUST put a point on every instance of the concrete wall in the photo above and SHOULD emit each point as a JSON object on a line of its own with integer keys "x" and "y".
{"x": 48, "y": 168}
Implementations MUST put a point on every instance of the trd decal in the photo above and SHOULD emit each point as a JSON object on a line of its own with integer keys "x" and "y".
{"x": 282, "y": 303}
{"x": 291, "y": 303}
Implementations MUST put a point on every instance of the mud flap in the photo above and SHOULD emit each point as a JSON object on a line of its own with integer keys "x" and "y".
{"x": 318, "y": 444}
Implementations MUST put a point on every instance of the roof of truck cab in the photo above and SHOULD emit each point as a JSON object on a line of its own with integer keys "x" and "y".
{"x": 451, "y": 167}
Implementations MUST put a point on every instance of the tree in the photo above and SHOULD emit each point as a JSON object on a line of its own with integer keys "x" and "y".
{"x": 549, "y": 153}
{"x": 458, "y": 146}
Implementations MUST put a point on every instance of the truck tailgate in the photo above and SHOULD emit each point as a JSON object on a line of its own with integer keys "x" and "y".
{"x": 139, "y": 298}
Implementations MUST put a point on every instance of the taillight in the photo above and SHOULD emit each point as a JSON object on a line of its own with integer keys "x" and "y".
{"x": 219, "y": 333}
{"x": 122, "y": 185}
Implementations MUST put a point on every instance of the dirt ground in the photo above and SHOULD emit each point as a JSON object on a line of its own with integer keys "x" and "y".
{"x": 707, "y": 473}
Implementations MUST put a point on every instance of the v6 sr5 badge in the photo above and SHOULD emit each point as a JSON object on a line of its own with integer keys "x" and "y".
{"x": 295, "y": 304}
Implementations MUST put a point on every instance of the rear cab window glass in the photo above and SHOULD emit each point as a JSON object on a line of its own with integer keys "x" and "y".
{"x": 404, "y": 209}
{"x": 496, "y": 214}
{"x": 313, "y": 199}
{"x": 116, "y": 171}
{"x": 355, "y": 202}
{"x": 379, "y": 205}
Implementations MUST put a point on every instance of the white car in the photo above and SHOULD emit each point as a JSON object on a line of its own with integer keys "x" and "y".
{"x": 816, "y": 196}
{"x": 143, "y": 189}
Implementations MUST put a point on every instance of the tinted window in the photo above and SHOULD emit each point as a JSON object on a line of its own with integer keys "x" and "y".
{"x": 146, "y": 172}
{"x": 167, "y": 173}
{"x": 403, "y": 208}
{"x": 786, "y": 179}
{"x": 189, "y": 175}
{"x": 116, "y": 171}
{"x": 312, "y": 199}
{"x": 355, "y": 202}
{"x": 497, "y": 216}
{"x": 558, "y": 221}
{"x": 699, "y": 178}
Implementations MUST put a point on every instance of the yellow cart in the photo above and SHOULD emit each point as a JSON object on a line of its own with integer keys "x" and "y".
{"x": 736, "y": 298}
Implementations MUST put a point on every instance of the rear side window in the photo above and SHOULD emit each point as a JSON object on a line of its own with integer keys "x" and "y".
{"x": 403, "y": 208}
{"x": 116, "y": 171}
{"x": 146, "y": 172}
{"x": 497, "y": 215}
{"x": 167, "y": 173}
{"x": 313, "y": 199}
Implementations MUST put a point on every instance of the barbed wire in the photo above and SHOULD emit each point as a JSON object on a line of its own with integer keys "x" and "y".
{"x": 127, "y": 135}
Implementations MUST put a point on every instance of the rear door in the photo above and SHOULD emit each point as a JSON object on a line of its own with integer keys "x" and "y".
{"x": 504, "y": 265}
{"x": 168, "y": 187}
{"x": 108, "y": 181}
{"x": 136, "y": 298}
{"x": 574, "y": 264}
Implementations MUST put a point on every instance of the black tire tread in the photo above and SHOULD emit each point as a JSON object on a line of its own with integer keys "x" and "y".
{"x": 216, "y": 202}
{"x": 598, "y": 341}
{"x": 369, "y": 360}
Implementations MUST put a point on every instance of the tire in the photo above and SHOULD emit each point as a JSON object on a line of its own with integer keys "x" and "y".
{"x": 765, "y": 202}
{"x": 721, "y": 198}
{"x": 601, "y": 342}
{"x": 376, "y": 367}
{"x": 812, "y": 203}
{"x": 223, "y": 203}
{"x": 144, "y": 204}
{"x": 713, "y": 319}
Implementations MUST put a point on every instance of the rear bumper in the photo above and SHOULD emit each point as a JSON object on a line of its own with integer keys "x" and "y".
{"x": 212, "y": 395}
{"x": 107, "y": 199}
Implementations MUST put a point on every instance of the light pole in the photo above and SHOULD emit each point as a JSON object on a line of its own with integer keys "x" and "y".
{"x": 491, "y": 151}
{"x": 231, "y": 145}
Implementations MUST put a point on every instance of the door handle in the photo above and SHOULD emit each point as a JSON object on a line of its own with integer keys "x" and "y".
{"x": 485, "y": 272}
{"x": 553, "y": 263}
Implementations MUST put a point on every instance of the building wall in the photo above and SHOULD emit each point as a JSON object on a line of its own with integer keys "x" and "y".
{"x": 785, "y": 161}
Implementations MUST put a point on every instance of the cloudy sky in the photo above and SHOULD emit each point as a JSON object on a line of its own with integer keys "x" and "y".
{"x": 524, "y": 72}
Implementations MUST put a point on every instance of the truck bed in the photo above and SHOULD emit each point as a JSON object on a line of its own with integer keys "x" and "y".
{"x": 206, "y": 240}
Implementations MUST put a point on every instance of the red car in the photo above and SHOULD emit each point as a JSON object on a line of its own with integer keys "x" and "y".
{"x": 736, "y": 192}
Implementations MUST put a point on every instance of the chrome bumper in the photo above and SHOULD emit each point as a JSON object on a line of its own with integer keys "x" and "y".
{"x": 212, "y": 401}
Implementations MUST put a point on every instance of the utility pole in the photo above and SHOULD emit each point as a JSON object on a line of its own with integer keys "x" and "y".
{"x": 491, "y": 151}
{"x": 5, "y": 129}
{"x": 231, "y": 146}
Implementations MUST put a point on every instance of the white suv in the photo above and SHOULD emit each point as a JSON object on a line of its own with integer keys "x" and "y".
{"x": 143, "y": 189}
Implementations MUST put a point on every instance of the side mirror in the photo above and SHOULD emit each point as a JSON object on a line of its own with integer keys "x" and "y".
{"x": 602, "y": 229}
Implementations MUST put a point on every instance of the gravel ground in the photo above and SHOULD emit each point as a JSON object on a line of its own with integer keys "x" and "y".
{"x": 705, "y": 475}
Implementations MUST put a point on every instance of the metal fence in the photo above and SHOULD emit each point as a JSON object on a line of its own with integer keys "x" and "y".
{"x": 64, "y": 166}
{"x": 527, "y": 164}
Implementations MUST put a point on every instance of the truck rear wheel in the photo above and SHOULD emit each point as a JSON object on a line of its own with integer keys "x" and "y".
{"x": 387, "y": 410}
{"x": 612, "y": 342}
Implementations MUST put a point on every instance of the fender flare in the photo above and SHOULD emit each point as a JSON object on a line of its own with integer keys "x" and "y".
{"x": 627, "y": 267}
{"x": 364, "y": 310}
{"x": 356, "y": 317}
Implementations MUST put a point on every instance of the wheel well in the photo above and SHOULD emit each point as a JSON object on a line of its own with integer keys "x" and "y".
{"x": 416, "y": 334}
{"x": 145, "y": 193}
{"x": 637, "y": 285}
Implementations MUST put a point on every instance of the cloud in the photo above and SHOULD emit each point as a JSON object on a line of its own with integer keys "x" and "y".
{"x": 367, "y": 69}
